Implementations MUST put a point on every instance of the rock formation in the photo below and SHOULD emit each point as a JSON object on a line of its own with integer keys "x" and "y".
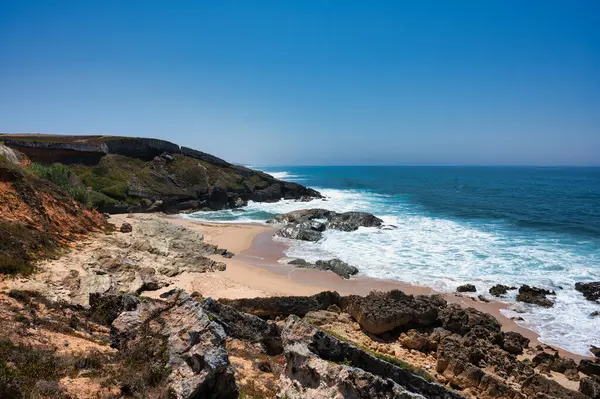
{"x": 337, "y": 266}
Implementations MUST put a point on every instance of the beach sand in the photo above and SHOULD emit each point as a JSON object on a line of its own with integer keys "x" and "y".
{"x": 255, "y": 271}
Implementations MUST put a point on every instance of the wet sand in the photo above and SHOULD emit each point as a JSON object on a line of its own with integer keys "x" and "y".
{"x": 256, "y": 271}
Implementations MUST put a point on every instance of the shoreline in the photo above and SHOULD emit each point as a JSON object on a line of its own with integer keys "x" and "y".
{"x": 255, "y": 271}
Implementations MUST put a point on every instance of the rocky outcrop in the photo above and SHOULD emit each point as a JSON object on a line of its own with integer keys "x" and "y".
{"x": 347, "y": 221}
{"x": 589, "y": 367}
{"x": 320, "y": 365}
{"x": 547, "y": 362}
{"x": 284, "y": 306}
{"x": 337, "y": 266}
{"x": 245, "y": 326}
{"x": 499, "y": 290}
{"x": 536, "y": 296}
{"x": 195, "y": 345}
{"x": 591, "y": 291}
{"x": 128, "y": 174}
{"x": 379, "y": 312}
{"x": 590, "y": 386}
{"x": 306, "y": 231}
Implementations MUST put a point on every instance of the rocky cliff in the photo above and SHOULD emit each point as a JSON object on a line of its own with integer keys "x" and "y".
{"x": 124, "y": 174}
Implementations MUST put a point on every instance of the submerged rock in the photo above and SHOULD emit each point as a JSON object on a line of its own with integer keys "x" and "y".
{"x": 337, "y": 266}
{"x": 500, "y": 290}
{"x": 591, "y": 291}
{"x": 536, "y": 296}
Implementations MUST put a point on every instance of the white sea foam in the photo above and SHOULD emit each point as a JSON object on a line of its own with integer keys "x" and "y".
{"x": 444, "y": 254}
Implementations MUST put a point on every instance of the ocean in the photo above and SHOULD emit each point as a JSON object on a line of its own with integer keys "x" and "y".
{"x": 457, "y": 225}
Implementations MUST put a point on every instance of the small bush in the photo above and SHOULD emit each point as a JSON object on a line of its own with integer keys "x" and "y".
{"x": 62, "y": 176}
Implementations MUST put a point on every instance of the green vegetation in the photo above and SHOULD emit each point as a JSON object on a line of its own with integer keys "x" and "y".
{"x": 62, "y": 176}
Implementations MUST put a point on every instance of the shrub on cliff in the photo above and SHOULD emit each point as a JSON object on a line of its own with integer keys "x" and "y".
{"x": 62, "y": 176}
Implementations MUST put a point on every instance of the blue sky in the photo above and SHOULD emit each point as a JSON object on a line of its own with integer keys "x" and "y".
{"x": 313, "y": 82}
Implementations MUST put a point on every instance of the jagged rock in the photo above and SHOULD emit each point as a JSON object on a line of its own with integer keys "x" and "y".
{"x": 245, "y": 326}
{"x": 591, "y": 291}
{"x": 414, "y": 339}
{"x": 552, "y": 362}
{"x": 145, "y": 280}
{"x": 466, "y": 288}
{"x": 379, "y": 312}
{"x": 538, "y": 386}
{"x": 589, "y": 367}
{"x": 595, "y": 351}
{"x": 284, "y": 306}
{"x": 514, "y": 343}
{"x": 536, "y": 296}
{"x": 347, "y": 221}
{"x": 590, "y": 386}
{"x": 337, "y": 266}
{"x": 500, "y": 290}
{"x": 126, "y": 228}
{"x": 311, "y": 370}
{"x": 195, "y": 345}
{"x": 462, "y": 321}
{"x": 104, "y": 309}
{"x": 303, "y": 231}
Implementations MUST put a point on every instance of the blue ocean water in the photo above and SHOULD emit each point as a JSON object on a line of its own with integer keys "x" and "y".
{"x": 456, "y": 225}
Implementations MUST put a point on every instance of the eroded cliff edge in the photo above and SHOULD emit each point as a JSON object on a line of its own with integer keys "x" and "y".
{"x": 130, "y": 174}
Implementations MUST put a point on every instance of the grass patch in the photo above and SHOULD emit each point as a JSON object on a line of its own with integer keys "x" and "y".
{"x": 21, "y": 246}
{"x": 64, "y": 178}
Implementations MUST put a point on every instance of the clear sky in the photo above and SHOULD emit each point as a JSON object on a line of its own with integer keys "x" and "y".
{"x": 313, "y": 82}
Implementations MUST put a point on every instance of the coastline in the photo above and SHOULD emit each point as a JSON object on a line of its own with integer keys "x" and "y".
{"x": 255, "y": 271}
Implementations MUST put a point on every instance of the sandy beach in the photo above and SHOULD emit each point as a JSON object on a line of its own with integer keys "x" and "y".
{"x": 255, "y": 271}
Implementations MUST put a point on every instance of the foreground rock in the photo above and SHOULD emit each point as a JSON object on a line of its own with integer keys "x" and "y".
{"x": 591, "y": 291}
{"x": 198, "y": 362}
{"x": 337, "y": 266}
{"x": 379, "y": 312}
{"x": 303, "y": 231}
{"x": 321, "y": 366}
{"x": 536, "y": 296}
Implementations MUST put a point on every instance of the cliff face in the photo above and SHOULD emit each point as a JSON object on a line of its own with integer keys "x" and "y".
{"x": 36, "y": 217}
{"x": 139, "y": 174}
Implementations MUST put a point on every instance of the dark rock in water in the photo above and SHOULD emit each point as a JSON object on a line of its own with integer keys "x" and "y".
{"x": 536, "y": 296}
{"x": 337, "y": 266}
{"x": 126, "y": 228}
{"x": 245, "y": 326}
{"x": 590, "y": 386}
{"x": 285, "y": 305}
{"x": 514, "y": 343}
{"x": 595, "y": 351}
{"x": 595, "y": 313}
{"x": 379, "y": 312}
{"x": 499, "y": 290}
{"x": 299, "y": 232}
{"x": 195, "y": 345}
{"x": 350, "y": 221}
{"x": 591, "y": 291}
{"x": 314, "y": 355}
{"x": 466, "y": 288}
{"x": 224, "y": 253}
{"x": 482, "y": 298}
{"x": 589, "y": 367}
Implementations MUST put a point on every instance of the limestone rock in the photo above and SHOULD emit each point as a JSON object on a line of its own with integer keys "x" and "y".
{"x": 591, "y": 291}
{"x": 195, "y": 345}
